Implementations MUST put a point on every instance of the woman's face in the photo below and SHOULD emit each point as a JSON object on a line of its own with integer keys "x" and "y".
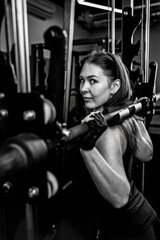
{"x": 95, "y": 87}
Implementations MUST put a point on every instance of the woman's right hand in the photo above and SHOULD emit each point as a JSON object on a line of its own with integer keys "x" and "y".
{"x": 97, "y": 125}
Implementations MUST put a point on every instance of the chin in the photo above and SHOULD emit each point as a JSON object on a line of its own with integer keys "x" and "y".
{"x": 89, "y": 106}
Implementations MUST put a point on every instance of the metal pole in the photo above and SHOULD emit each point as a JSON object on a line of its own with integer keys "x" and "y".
{"x": 146, "y": 63}
{"x": 142, "y": 41}
{"x": 147, "y": 36}
{"x": 20, "y": 31}
{"x": 113, "y": 26}
{"x": 8, "y": 39}
{"x": 69, "y": 13}
{"x": 26, "y": 45}
{"x": 7, "y": 27}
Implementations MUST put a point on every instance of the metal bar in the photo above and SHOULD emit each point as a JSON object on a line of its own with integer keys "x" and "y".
{"x": 26, "y": 46}
{"x": 113, "y": 26}
{"x": 29, "y": 221}
{"x": 132, "y": 12}
{"x": 142, "y": 40}
{"x": 20, "y": 68}
{"x": 7, "y": 28}
{"x": 13, "y": 10}
{"x": 86, "y": 41}
{"x": 113, "y": 117}
{"x": 69, "y": 13}
{"x": 147, "y": 36}
{"x": 8, "y": 39}
{"x": 20, "y": 31}
{"x": 109, "y": 29}
{"x": 143, "y": 5}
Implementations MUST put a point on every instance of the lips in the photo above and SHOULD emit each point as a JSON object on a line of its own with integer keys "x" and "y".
{"x": 87, "y": 99}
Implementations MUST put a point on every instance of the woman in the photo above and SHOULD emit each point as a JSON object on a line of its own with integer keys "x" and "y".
{"x": 116, "y": 207}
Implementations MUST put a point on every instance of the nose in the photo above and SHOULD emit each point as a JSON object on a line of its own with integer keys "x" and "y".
{"x": 84, "y": 87}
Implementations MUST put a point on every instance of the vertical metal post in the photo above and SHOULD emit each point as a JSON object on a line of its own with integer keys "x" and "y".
{"x": 69, "y": 13}
{"x": 147, "y": 37}
{"x": 146, "y": 64}
{"x": 132, "y": 40}
{"x": 26, "y": 46}
{"x": 109, "y": 29}
{"x": 31, "y": 218}
{"x": 113, "y": 26}
{"x": 29, "y": 222}
{"x": 8, "y": 38}
{"x": 20, "y": 31}
{"x": 7, "y": 27}
{"x": 142, "y": 41}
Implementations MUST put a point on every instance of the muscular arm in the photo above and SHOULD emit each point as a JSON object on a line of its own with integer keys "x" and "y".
{"x": 105, "y": 165}
{"x": 144, "y": 144}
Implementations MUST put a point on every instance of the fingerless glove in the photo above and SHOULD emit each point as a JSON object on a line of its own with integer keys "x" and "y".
{"x": 96, "y": 128}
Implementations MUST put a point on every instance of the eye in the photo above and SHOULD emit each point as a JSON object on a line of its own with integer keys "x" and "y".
{"x": 92, "y": 81}
{"x": 81, "y": 80}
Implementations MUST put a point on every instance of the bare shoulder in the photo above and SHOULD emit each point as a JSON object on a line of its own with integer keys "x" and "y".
{"x": 112, "y": 146}
{"x": 113, "y": 139}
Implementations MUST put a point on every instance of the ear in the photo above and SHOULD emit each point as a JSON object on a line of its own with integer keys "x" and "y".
{"x": 115, "y": 86}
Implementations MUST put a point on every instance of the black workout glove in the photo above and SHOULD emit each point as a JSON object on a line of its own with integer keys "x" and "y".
{"x": 96, "y": 127}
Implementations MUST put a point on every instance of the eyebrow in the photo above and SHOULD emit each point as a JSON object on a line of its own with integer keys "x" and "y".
{"x": 90, "y": 76}
{"x": 93, "y": 76}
